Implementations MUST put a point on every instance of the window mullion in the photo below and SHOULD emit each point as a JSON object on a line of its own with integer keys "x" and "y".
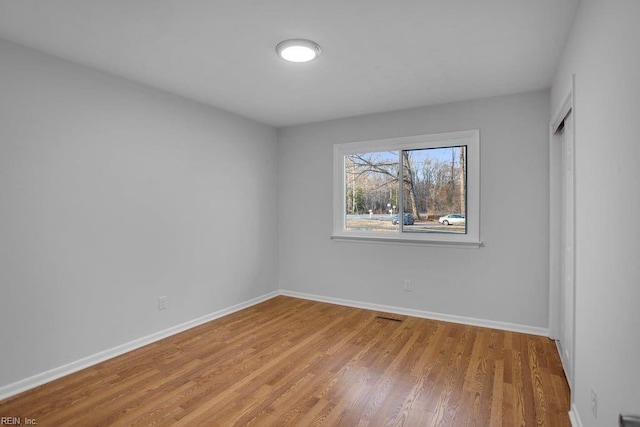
{"x": 400, "y": 192}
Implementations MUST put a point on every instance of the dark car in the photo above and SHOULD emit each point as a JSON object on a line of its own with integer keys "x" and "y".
{"x": 407, "y": 219}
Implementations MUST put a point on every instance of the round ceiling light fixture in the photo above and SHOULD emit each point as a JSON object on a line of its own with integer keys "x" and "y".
{"x": 298, "y": 50}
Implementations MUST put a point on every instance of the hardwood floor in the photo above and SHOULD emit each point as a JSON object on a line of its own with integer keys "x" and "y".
{"x": 295, "y": 362}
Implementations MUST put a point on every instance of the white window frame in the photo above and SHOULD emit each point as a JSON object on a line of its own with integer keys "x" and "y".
{"x": 469, "y": 138}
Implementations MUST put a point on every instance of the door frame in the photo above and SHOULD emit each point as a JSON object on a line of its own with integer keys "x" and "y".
{"x": 556, "y": 228}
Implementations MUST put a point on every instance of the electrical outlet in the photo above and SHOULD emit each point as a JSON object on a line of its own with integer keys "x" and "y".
{"x": 408, "y": 286}
{"x": 594, "y": 403}
{"x": 163, "y": 303}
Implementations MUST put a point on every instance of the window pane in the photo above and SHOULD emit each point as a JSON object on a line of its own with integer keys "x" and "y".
{"x": 371, "y": 187}
{"x": 435, "y": 190}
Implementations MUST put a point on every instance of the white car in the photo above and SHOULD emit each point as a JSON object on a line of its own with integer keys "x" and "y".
{"x": 452, "y": 219}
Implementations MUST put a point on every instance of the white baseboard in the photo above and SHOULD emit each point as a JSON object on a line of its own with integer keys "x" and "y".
{"x": 53, "y": 374}
{"x": 574, "y": 417}
{"x": 513, "y": 327}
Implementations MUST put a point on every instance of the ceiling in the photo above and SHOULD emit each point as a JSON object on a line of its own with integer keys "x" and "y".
{"x": 376, "y": 55}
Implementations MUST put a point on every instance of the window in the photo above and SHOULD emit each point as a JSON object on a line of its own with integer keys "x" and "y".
{"x": 418, "y": 189}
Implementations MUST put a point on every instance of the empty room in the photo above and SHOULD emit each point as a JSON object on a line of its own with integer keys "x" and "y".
{"x": 417, "y": 213}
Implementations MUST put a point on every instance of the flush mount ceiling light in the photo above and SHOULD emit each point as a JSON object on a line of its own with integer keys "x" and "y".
{"x": 298, "y": 50}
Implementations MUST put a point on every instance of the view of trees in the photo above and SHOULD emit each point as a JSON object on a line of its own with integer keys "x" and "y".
{"x": 434, "y": 181}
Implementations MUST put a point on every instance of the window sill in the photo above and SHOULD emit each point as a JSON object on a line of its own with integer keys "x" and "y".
{"x": 406, "y": 241}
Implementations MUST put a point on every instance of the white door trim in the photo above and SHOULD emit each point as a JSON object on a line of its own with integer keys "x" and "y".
{"x": 555, "y": 227}
{"x": 555, "y": 210}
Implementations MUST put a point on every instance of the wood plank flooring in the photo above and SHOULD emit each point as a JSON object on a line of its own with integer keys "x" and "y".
{"x": 293, "y": 362}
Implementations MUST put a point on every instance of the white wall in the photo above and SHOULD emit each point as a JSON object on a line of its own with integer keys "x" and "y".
{"x": 113, "y": 194}
{"x": 603, "y": 53}
{"x": 504, "y": 281}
